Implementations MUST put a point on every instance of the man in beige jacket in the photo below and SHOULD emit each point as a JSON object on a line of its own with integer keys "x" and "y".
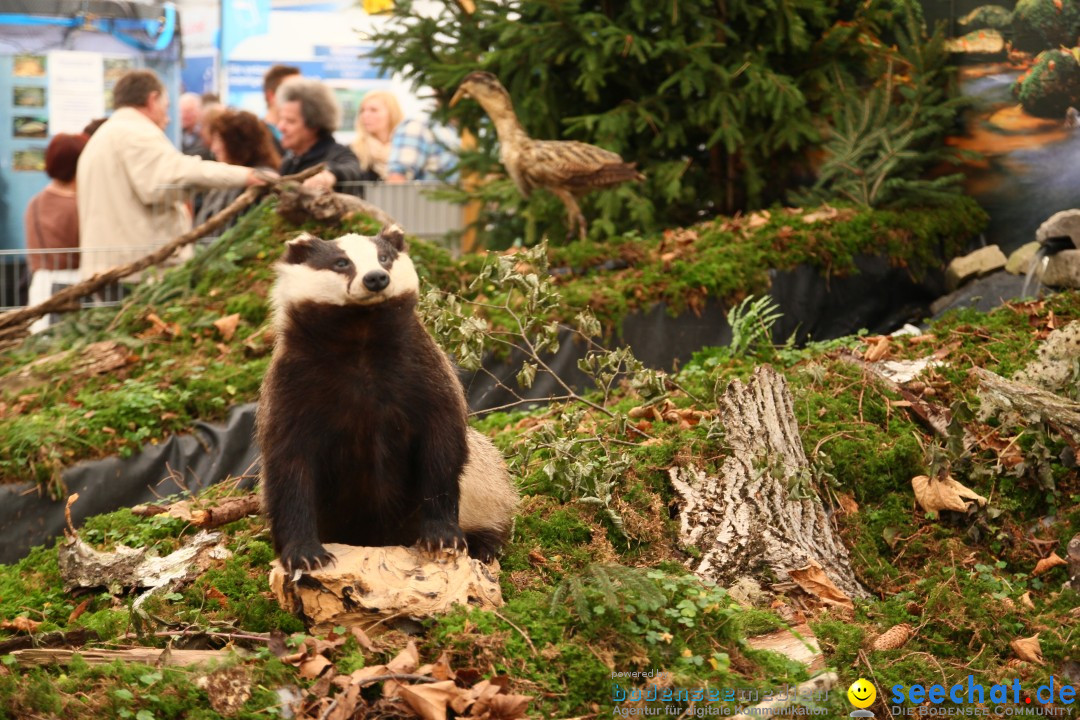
{"x": 129, "y": 177}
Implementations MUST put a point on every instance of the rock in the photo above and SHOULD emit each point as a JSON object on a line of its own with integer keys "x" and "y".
{"x": 368, "y": 585}
{"x": 1020, "y": 261}
{"x": 1066, "y": 222}
{"x": 1052, "y": 369}
{"x": 1063, "y": 270}
{"x": 981, "y": 262}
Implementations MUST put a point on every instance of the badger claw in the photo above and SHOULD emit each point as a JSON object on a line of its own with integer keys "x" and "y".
{"x": 306, "y": 557}
{"x": 442, "y": 540}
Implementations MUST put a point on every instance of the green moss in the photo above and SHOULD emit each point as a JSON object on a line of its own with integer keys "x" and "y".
{"x": 1052, "y": 84}
{"x": 1043, "y": 24}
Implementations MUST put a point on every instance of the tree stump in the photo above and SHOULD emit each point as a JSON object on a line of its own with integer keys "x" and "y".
{"x": 761, "y": 515}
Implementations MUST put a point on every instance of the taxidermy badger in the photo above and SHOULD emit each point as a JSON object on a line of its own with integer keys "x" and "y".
{"x": 362, "y": 420}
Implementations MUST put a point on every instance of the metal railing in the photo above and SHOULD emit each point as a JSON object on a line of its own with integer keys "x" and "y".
{"x": 415, "y": 208}
{"x": 20, "y": 286}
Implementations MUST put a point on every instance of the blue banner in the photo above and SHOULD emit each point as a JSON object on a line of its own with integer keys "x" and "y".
{"x": 241, "y": 19}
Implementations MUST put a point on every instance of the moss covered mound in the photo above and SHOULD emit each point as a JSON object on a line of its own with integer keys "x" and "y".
{"x": 588, "y": 597}
{"x": 181, "y": 366}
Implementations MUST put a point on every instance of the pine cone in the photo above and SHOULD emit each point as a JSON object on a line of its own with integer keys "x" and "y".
{"x": 893, "y": 638}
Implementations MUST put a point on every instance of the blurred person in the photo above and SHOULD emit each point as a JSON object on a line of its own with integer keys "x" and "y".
{"x": 210, "y": 98}
{"x": 51, "y": 222}
{"x": 422, "y": 152}
{"x": 128, "y": 176}
{"x": 191, "y": 142}
{"x": 93, "y": 125}
{"x": 237, "y": 137}
{"x": 379, "y": 114}
{"x": 308, "y": 114}
{"x": 206, "y": 118}
{"x": 272, "y": 79}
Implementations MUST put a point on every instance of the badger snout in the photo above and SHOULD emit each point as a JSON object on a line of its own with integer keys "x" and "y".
{"x": 376, "y": 280}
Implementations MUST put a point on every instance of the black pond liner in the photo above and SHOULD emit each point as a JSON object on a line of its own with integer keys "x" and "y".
{"x": 879, "y": 298}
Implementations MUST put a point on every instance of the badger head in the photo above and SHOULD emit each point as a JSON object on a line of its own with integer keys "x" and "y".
{"x": 350, "y": 270}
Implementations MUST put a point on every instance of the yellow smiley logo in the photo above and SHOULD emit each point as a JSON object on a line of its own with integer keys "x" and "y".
{"x": 862, "y": 693}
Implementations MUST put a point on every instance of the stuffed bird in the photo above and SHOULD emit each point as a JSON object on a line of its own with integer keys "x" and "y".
{"x": 567, "y": 168}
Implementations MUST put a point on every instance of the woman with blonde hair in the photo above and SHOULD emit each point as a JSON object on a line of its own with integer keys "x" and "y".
{"x": 379, "y": 114}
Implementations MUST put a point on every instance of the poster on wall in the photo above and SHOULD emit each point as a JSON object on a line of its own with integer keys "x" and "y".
{"x": 1019, "y": 64}
{"x": 76, "y": 90}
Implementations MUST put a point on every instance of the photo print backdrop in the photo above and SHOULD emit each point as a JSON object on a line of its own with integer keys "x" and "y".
{"x": 1019, "y": 63}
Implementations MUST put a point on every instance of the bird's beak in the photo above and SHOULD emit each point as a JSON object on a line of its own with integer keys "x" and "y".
{"x": 461, "y": 93}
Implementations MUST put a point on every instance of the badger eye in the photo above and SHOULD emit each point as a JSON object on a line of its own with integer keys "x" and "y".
{"x": 384, "y": 259}
{"x": 341, "y": 264}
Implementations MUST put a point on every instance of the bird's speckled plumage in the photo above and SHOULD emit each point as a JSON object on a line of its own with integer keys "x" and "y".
{"x": 565, "y": 167}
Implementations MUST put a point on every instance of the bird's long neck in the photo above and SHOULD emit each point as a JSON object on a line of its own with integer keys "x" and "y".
{"x": 502, "y": 114}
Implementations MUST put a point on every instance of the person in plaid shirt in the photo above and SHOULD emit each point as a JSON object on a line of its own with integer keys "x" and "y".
{"x": 422, "y": 153}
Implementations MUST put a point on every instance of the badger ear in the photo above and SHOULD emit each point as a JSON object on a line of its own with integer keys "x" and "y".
{"x": 298, "y": 250}
{"x": 394, "y": 235}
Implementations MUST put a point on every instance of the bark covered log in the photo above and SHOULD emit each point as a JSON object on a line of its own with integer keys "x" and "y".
{"x": 760, "y": 514}
{"x": 1030, "y": 402}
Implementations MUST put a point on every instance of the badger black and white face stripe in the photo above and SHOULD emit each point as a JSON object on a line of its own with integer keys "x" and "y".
{"x": 350, "y": 270}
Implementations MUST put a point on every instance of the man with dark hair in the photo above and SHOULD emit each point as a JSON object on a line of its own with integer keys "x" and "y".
{"x": 131, "y": 179}
{"x": 271, "y": 80}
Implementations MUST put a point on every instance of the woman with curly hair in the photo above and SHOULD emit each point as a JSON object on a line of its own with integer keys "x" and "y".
{"x": 237, "y": 137}
{"x": 308, "y": 114}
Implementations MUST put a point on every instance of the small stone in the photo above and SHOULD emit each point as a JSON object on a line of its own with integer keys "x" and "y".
{"x": 1066, "y": 222}
{"x": 1063, "y": 270}
{"x": 1020, "y": 261}
{"x": 981, "y": 262}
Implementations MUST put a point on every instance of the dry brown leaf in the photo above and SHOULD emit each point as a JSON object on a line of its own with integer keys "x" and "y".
{"x": 758, "y": 219}
{"x": 313, "y": 667}
{"x": 848, "y": 505}
{"x": 20, "y": 624}
{"x": 509, "y": 707}
{"x": 406, "y": 661}
{"x": 362, "y": 638}
{"x": 935, "y": 495}
{"x": 1048, "y": 563}
{"x": 227, "y": 326}
{"x": 1028, "y": 649}
{"x": 1025, "y": 600}
{"x": 216, "y": 594}
{"x": 78, "y": 611}
{"x": 429, "y": 701}
{"x": 825, "y": 213}
{"x": 879, "y": 348}
{"x": 813, "y": 580}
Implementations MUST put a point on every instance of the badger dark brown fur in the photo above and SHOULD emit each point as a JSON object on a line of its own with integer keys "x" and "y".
{"x": 362, "y": 420}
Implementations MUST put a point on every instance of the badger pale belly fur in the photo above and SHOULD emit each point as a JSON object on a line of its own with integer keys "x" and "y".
{"x": 362, "y": 420}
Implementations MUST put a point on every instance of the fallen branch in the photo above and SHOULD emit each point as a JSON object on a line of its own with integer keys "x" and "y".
{"x": 15, "y": 324}
{"x": 209, "y": 517}
{"x": 1030, "y": 401}
{"x": 75, "y": 638}
{"x": 148, "y": 656}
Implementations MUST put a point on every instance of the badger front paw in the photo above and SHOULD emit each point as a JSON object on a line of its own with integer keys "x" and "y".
{"x": 305, "y": 557}
{"x": 441, "y": 538}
